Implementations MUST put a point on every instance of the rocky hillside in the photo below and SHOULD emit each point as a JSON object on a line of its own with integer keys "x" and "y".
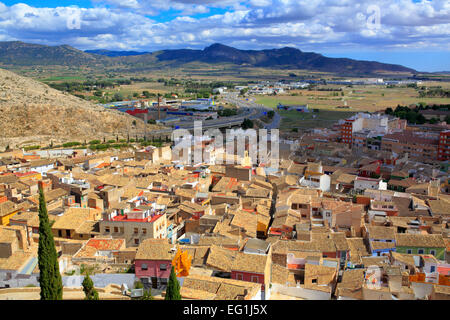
{"x": 31, "y": 112}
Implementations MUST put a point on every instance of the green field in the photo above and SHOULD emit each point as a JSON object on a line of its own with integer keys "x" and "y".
{"x": 369, "y": 98}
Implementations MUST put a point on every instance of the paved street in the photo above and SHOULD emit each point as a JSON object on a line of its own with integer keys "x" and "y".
{"x": 252, "y": 111}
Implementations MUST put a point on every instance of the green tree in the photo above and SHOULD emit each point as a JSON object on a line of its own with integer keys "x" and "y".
{"x": 433, "y": 120}
{"x": 247, "y": 124}
{"x": 118, "y": 96}
{"x": 49, "y": 278}
{"x": 147, "y": 295}
{"x": 89, "y": 290}
{"x": 173, "y": 287}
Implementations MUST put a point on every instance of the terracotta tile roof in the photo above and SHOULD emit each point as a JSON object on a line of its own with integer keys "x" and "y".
{"x": 7, "y": 235}
{"x": 253, "y": 263}
{"x": 352, "y": 279}
{"x": 219, "y": 241}
{"x": 403, "y": 258}
{"x": 340, "y": 241}
{"x": 214, "y": 288}
{"x": 406, "y": 183}
{"x": 247, "y": 221}
{"x": 150, "y": 249}
{"x": 372, "y": 167}
{"x": 72, "y": 219}
{"x": 381, "y": 233}
{"x": 447, "y": 244}
{"x": 220, "y": 258}
{"x": 379, "y": 245}
{"x": 419, "y": 240}
{"x": 325, "y": 275}
{"x": 50, "y": 195}
{"x": 92, "y": 246}
{"x": 357, "y": 249}
{"x": 346, "y": 178}
{"x": 16, "y": 261}
{"x": 439, "y": 207}
{"x": 7, "y": 208}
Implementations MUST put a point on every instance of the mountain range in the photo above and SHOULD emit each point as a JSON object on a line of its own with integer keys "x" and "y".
{"x": 16, "y": 53}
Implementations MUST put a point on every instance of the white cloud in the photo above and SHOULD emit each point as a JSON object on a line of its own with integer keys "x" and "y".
{"x": 309, "y": 25}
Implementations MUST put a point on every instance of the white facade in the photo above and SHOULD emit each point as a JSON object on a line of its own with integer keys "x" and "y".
{"x": 362, "y": 184}
{"x": 43, "y": 169}
{"x": 321, "y": 182}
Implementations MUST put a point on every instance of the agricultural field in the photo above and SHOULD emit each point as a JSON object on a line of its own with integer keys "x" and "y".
{"x": 152, "y": 87}
{"x": 358, "y": 98}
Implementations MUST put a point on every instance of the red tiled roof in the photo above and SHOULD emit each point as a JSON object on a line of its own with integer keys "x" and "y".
{"x": 105, "y": 244}
{"x": 20, "y": 174}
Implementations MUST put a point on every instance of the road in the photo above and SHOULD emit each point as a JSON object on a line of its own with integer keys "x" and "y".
{"x": 250, "y": 104}
{"x": 251, "y": 110}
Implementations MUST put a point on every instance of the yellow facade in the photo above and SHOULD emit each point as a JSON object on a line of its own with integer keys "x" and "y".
{"x": 4, "y": 220}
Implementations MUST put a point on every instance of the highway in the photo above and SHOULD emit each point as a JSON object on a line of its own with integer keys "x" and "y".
{"x": 250, "y": 104}
{"x": 251, "y": 110}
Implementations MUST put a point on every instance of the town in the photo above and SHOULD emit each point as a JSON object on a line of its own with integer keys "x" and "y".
{"x": 243, "y": 158}
{"x": 356, "y": 211}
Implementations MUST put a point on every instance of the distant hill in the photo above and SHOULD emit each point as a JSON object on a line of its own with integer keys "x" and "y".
{"x": 23, "y": 54}
{"x": 291, "y": 58}
{"x": 18, "y": 53}
{"x": 110, "y": 53}
{"x": 32, "y": 111}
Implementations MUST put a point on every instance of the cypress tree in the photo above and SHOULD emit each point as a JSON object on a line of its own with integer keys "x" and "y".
{"x": 49, "y": 279}
{"x": 173, "y": 287}
{"x": 89, "y": 290}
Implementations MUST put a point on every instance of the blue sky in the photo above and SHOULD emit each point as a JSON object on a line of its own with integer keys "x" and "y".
{"x": 412, "y": 33}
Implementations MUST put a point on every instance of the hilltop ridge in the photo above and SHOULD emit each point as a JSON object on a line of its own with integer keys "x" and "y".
{"x": 33, "y": 110}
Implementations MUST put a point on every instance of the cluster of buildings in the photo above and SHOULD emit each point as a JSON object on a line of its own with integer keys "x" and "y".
{"x": 268, "y": 87}
{"x": 327, "y": 224}
{"x": 167, "y": 111}
{"x": 427, "y": 143}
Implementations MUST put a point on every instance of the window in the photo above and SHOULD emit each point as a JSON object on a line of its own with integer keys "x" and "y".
{"x": 136, "y": 241}
{"x": 432, "y": 269}
{"x": 59, "y": 233}
{"x": 144, "y": 231}
{"x": 116, "y": 229}
{"x": 314, "y": 281}
{"x": 239, "y": 276}
{"x": 420, "y": 251}
{"x": 162, "y": 267}
{"x": 409, "y": 251}
{"x": 136, "y": 230}
{"x": 433, "y": 252}
{"x": 254, "y": 279}
{"x": 144, "y": 266}
{"x": 107, "y": 230}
